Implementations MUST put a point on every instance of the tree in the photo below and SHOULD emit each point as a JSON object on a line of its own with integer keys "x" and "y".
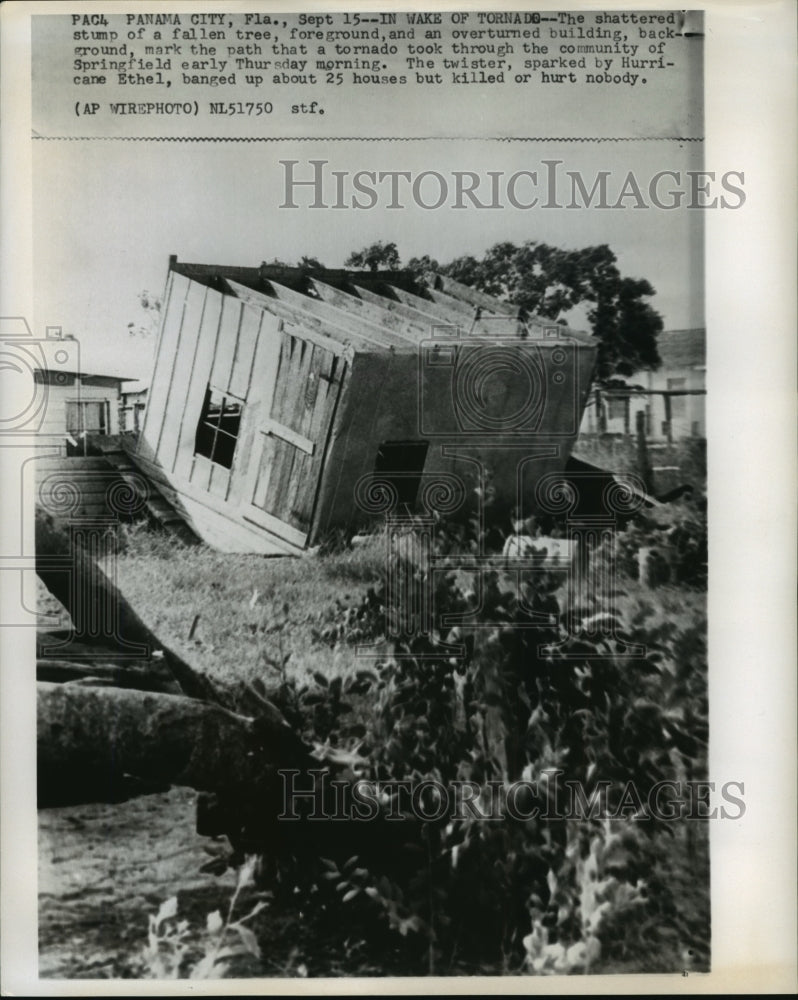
{"x": 419, "y": 266}
{"x": 377, "y": 255}
{"x": 310, "y": 264}
{"x": 548, "y": 282}
{"x": 148, "y": 326}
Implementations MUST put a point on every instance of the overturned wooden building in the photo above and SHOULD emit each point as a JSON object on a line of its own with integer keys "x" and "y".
{"x": 286, "y": 403}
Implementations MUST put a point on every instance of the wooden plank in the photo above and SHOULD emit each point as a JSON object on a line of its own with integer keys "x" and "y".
{"x": 420, "y": 311}
{"x": 291, "y": 405}
{"x": 465, "y": 293}
{"x": 161, "y": 387}
{"x": 331, "y": 379}
{"x": 462, "y": 311}
{"x": 201, "y": 473}
{"x": 182, "y": 375}
{"x": 301, "y": 484}
{"x": 214, "y": 521}
{"x": 443, "y": 309}
{"x": 375, "y": 309}
{"x": 261, "y": 389}
{"x": 220, "y": 481}
{"x": 154, "y": 414}
{"x": 200, "y": 377}
{"x": 309, "y": 327}
{"x": 245, "y": 351}
{"x": 278, "y": 527}
{"x": 343, "y": 316}
{"x": 270, "y": 452}
{"x": 539, "y": 326}
{"x": 291, "y": 436}
{"x": 222, "y": 368}
{"x": 345, "y": 330}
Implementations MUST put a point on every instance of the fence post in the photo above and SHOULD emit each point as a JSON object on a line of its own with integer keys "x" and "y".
{"x": 643, "y": 464}
{"x": 668, "y": 430}
{"x": 600, "y": 416}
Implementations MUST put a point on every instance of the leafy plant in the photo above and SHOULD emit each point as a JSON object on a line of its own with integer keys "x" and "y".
{"x": 174, "y": 951}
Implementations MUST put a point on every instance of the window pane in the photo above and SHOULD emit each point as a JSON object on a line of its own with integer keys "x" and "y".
{"x": 217, "y": 430}
{"x": 73, "y": 418}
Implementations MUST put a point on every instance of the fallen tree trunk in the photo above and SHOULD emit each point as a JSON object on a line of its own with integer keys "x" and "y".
{"x": 99, "y": 611}
{"x": 93, "y": 740}
{"x": 139, "y": 677}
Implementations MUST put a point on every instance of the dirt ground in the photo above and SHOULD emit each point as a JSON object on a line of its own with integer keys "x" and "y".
{"x": 104, "y": 868}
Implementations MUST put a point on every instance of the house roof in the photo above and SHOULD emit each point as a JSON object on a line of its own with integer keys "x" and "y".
{"x": 136, "y": 385}
{"x": 383, "y": 310}
{"x": 61, "y": 370}
{"x": 683, "y": 348}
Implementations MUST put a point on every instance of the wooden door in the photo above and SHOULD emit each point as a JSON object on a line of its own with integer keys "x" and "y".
{"x": 293, "y": 439}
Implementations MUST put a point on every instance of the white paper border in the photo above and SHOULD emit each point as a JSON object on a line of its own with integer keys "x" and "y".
{"x": 751, "y": 411}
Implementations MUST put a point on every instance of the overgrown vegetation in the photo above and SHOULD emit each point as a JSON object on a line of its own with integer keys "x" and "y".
{"x": 540, "y": 696}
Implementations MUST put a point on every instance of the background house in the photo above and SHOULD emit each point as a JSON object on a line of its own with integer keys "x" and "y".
{"x": 132, "y": 406}
{"x": 673, "y": 398}
{"x": 79, "y": 405}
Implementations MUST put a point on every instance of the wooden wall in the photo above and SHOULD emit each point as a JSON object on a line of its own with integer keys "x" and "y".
{"x": 396, "y": 397}
{"x": 288, "y": 386}
{"x": 55, "y": 413}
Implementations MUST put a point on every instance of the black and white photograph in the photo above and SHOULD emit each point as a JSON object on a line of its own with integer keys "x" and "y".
{"x": 380, "y": 499}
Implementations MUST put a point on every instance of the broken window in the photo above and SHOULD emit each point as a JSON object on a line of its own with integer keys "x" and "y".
{"x": 402, "y": 463}
{"x": 218, "y": 427}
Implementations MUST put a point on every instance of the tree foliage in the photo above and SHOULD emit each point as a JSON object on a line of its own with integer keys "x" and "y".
{"x": 374, "y": 257}
{"x": 147, "y": 327}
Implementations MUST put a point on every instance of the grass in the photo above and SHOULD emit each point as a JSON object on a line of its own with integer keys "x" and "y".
{"x": 244, "y": 605}
{"x": 248, "y": 605}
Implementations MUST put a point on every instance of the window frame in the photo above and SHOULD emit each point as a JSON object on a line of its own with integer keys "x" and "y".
{"x": 103, "y": 430}
{"x": 216, "y": 429}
